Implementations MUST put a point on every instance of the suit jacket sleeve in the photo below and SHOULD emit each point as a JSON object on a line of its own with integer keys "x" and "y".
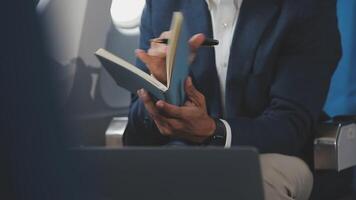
{"x": 141, "y": 130}
{"x": 306, "y": 63}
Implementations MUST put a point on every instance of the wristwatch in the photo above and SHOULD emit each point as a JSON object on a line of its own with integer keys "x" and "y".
{"x": 219, "y": 136}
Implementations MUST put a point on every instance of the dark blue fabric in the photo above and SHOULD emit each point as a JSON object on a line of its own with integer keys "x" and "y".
{"x": 282, "y": 58}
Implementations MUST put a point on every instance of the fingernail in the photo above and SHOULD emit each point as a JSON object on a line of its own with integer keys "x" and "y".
{"x": 143, "y": 92}
{"x": 160, "y": 104}
{"x": 136, "y": 52}
{"x": 140, "y": 92}
{"x": 190, "y": 82}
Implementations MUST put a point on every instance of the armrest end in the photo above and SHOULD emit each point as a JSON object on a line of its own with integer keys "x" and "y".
{"x": 335, "y": 144}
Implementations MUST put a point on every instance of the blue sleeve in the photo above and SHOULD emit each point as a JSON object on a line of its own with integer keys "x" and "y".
{"x": 342, "y": 95}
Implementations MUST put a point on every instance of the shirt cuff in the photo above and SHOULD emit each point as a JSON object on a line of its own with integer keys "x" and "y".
{"x": 228, "y": 134}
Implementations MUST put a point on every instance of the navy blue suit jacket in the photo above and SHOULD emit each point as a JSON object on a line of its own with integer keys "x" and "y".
{"x": 283, "y": 55}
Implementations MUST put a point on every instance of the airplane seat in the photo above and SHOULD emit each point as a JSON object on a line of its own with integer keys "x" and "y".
{"x": 89, "y": 95}
{"x": 334, "y": 149}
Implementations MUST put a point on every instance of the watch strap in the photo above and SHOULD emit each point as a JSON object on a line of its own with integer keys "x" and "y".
{"x": 219, "y": 136}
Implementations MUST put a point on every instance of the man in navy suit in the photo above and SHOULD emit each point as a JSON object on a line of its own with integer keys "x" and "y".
{"x": 264, "y": 85}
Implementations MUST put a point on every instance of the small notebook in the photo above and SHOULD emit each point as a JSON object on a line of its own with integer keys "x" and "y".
{"x": 133, "y": 78}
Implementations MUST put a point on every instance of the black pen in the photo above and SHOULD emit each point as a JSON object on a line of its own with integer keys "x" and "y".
{"x": 208, "y": 42}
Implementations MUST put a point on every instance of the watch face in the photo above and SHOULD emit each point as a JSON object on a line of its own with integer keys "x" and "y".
{"x": 219, "y": 136}
{"x": 218, "y": 140}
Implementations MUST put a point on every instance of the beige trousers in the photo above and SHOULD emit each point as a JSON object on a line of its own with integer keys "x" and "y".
{"x": 285, "y": 177}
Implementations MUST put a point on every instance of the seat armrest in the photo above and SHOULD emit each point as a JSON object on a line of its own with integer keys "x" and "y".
{"x": 335, "y": 144}
{"x": 115, "y": 132}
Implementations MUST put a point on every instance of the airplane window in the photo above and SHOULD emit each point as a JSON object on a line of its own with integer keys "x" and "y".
{"x": 126, "y": 15}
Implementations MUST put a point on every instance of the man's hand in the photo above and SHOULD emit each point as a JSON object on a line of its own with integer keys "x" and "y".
{"x": 190, "y": 122}
{"x": 155, "y": 57}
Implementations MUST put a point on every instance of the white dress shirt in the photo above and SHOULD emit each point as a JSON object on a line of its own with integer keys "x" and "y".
{"x": 224, "y": 15}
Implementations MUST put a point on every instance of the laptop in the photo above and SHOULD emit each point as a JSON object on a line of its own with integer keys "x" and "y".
{"x": 169, "y": 173}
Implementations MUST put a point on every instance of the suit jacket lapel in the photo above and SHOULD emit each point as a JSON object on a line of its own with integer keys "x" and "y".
{"x": 198, "y": 19}
{"x": 255, "y": 16}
